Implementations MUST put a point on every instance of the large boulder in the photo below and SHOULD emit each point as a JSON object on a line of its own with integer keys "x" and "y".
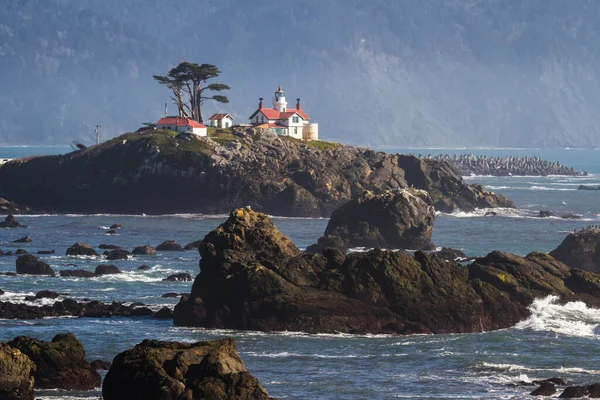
{"x": 11, "y": 222}
{"x": 29, "y": 264}
{"x": 81, "y": 249}
{"x": 60, "y": 364}
{"x": 16, "y": 374}
{"x": 580, "y": 249}
{"x": 155, "y": 370}
{"x": 401, "y": 219}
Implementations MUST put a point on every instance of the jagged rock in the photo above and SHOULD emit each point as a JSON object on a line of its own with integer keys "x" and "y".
{"x": 144, "y": 250}
{"x": 28, "y": 264}
{"x": 117, "y": 254}
{"x": 100, "y": 365}
{"x": 141, "y": 312}
{"x": 580, "y": 249}
{"x": 570, "y": 216}
{"x": 60, "y": 364}
{"x": 169, "y": 245}
{"x": 155, "y": 370}
{"x": 109, "y": 269}
{"x": 16, "y": 374}
{"x": 81, "y": 249}
{"x": 24, "y": 239}
{"x": 181, "y": 277}
{"x": 192, "y": 245}
{"x": 545, "y": 214}
{"x": 545, "y": 389}
{"x": 398, "y": 220}
{"x": 11, "y": 222}
{"x": 77, "y": 273}
{"x": 273, "y": 174}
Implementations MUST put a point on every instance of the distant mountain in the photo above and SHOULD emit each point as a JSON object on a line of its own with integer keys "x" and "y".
{"x": 390, "y": 73}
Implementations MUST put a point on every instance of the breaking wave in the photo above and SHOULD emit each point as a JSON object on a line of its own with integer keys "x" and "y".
{"x": 570, "y": 319}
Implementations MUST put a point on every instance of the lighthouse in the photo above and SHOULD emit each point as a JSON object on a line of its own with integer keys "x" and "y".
{"x": 279, "y": 102}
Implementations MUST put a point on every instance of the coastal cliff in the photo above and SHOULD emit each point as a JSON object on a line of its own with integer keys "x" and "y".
{"x": 161, "y": 172}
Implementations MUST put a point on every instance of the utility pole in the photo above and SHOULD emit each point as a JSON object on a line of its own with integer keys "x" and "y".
{"x": 98, "y": 133}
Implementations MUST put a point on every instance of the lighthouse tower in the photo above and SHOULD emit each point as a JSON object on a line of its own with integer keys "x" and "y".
{"x": 279, "y": 102}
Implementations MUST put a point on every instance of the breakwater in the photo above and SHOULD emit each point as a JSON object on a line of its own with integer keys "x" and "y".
{"x": 472, "y": 164}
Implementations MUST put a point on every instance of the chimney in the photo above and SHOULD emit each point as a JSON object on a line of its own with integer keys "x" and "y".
{"x": 260, "y": 104}
{"x": 298, "y": 104}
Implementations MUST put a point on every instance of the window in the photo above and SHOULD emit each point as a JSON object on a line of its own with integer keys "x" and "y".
{"x": 295, "y": 120}
{"x": 262, "y": 119}
{"x": 295, "y": 130}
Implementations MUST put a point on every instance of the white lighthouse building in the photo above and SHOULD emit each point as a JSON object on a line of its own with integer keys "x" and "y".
{"x": 285, "y": 121}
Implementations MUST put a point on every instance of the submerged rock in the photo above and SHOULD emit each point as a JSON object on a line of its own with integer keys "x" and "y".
{"x": 155, "y": 370}
{"x": 16, "y": 374}
{"x": 545, "y": 389}
{"x": 24, "y": 239}
{"x": 180, "y": 277}
{"x": 109, "y": 269}
{"x": 77, "y": 273}
{"x": 60, "y": 364}
{"x": 580, "y": 249}
{"x": 397, "y": 220}
{"x": 82, "y": 249}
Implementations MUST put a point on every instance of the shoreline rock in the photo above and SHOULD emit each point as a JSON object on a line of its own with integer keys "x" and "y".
{"x": 16, "y": 374}
{"x": 60, "y": 364}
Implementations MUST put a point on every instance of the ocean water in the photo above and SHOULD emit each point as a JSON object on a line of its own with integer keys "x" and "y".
{"x": 555, "y": 341}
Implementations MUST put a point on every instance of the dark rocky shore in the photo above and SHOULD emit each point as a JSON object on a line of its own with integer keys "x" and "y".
{"x": 161, "y": 173}
{"x": 152, "y": 370}
{"x": 471, "y": 164}
{"x": 254, "y": 277}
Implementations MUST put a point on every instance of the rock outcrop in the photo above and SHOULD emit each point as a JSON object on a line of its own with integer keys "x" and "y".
{"x": 580, "y": 249}
{"x": 60, "y": 364}
{"x": 155, "y": 370}
{"x": 254, "y": 277}
{"x": 395, "y": 220}
{"x": 11, "y": 222}
{"x": 117, "y": 254}
{"x": 16, "y": 374}
{"x": 160, "y": 173}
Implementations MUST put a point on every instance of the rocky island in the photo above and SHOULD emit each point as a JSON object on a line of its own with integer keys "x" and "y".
{"x": 163, "y": 172}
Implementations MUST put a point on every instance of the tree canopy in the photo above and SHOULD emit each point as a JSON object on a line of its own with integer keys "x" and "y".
{"x": 188, "y": 81}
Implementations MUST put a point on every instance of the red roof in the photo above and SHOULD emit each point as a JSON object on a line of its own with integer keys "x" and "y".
{"x": 216, "y": 117}
{"x": 272, "y": 113}
{"x": 180, "y": 121}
